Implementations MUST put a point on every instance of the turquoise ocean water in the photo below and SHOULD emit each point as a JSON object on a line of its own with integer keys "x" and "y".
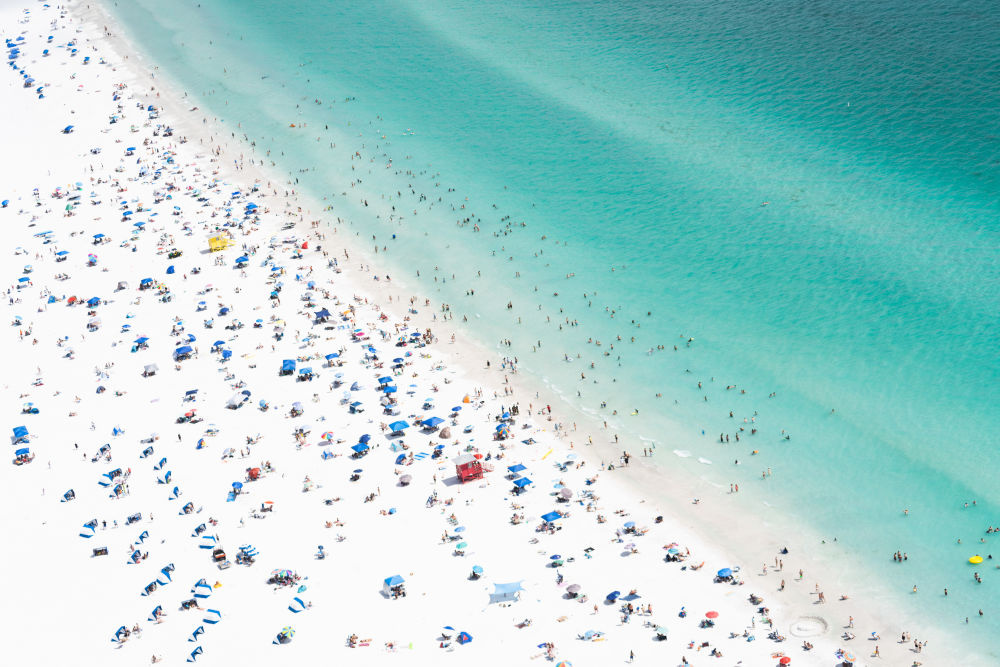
{"x": 808, "y": 189}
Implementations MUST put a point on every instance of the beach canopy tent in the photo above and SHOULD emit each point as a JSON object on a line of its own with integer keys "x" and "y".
{"x": 551, "y": 516}
{"x": 331, "y": 357}
{"x": 360, "y": 447}
{"x": 433, "y": 422}
{"x": 385, "y": 380}
{"x": 522, "y": 482}
{"x": 150, "y": 369}
{"x": 287, "y": 366}
{"x": 237, "y": 400}
{"x": 506, "y": 592}
{"x": 20, "y": 434}
{"x": 390, "y": 582}
{"x": 183, "y": 351}
{"x": 517, "y": 467}
{"x": 398, "y": 427}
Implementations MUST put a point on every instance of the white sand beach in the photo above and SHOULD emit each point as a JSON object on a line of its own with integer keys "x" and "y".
{"x": 112, "y": 189}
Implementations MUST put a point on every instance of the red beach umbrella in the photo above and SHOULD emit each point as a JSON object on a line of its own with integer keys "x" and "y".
{"x": 786, "y": 660}
{"x": 711, "y": 614}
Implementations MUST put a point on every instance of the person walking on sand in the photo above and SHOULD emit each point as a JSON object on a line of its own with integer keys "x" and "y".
{"x": 631, "y": 656}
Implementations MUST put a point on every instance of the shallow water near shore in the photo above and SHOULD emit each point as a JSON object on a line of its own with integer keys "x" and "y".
{"x": 808, "y": 192}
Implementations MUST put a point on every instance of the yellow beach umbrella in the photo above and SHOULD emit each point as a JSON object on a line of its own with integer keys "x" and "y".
{"x": 976, "y": 560}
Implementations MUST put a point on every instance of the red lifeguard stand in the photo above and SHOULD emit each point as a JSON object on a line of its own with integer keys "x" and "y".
{"x": 468, "y": 468}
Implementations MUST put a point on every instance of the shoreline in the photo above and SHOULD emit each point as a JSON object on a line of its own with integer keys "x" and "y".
{"x": 645, "y": 483}
{"x": 464, "y": 353}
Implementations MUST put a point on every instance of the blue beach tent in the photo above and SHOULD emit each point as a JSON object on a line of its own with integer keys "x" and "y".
{"x": 505, "y": 592}
{"x": 551, "y": 516}
{"x": 523, "y": 482}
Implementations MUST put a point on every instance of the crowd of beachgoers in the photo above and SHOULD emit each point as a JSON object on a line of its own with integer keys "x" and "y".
{"x": 235, "y": 439}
